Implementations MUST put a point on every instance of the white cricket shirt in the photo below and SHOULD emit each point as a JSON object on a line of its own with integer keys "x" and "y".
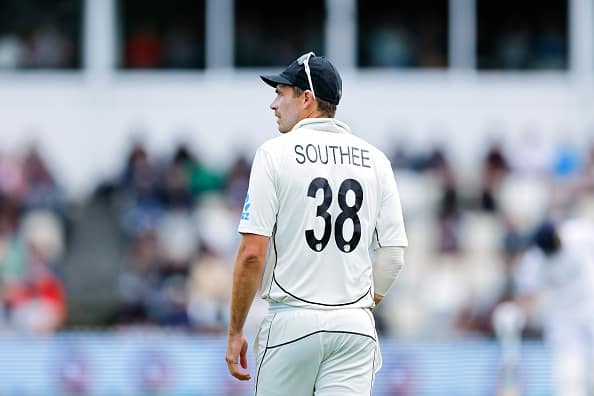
{"x": 324, "y": 196}
{"x": 564, "y": 278}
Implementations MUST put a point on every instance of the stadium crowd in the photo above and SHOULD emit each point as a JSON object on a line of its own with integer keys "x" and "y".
{"x": 176, "y": 222}
{"x": 33, "y": 229}
{"x": 36, "y": 35}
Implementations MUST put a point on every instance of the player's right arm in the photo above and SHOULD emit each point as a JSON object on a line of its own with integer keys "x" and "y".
{"x": 247, "y": 273}
{"x": 257, "y": 222}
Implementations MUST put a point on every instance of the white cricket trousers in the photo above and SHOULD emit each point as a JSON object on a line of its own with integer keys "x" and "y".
{"x": 305, "y": 352}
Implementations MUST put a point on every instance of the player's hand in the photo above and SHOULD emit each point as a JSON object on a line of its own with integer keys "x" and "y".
{"x": 237, "y": 347}
{"x": 377, "y": 298}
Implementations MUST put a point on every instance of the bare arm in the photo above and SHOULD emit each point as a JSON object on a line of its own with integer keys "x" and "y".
{"x": 247, "y": 273}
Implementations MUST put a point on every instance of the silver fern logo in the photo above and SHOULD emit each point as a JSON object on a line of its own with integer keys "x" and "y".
{"x": 246, "y": 208}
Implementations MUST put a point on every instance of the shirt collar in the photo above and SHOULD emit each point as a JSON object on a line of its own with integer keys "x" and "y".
{"x": 323, "y": 124}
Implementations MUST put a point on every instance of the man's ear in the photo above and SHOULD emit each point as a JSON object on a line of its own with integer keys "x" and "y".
{"x": 308, "y": 98}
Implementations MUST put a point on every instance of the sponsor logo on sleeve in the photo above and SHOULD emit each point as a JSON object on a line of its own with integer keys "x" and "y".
{"x": 245, "y": 215}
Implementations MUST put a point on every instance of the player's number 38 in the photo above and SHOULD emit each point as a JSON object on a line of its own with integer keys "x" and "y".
{"x": 347, "y": 212}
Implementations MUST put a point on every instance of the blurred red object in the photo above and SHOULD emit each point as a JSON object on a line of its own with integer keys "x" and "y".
{"x": 144, "y": 49}
{"x": 36, "y": 303}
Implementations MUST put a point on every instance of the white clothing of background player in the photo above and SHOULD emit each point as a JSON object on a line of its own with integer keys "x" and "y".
{"x": 555, "y": 279}
{"x": 319, "y": 198}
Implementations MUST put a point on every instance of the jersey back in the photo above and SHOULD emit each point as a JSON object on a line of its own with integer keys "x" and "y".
{"x": 324, "y": 196}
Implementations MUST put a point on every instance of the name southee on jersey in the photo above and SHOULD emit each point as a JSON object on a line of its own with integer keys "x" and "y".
{"x": 332, "y": 154}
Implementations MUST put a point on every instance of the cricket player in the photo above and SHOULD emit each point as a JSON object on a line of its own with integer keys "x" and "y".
{"x": 319, "y": 198}
{"x": 556, "y": 276}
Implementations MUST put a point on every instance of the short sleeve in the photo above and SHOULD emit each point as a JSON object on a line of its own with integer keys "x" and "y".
{"x": 389, "y": 229}
{"x": 261, "y": 202}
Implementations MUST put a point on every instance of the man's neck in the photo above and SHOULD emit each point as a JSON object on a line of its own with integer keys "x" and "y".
{"x": 312, "y": 114}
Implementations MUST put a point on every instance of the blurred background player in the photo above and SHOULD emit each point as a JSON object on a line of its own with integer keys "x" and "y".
{"x": 557, "y": 275}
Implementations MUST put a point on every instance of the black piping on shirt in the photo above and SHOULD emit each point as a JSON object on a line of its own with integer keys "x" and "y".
{"x": 377, "y": 238}
{"x": 318, "y": 332}
{"x": 317, "y": 303}
{"x": 275, "y": 254}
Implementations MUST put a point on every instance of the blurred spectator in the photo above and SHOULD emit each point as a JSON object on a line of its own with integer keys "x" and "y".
{"x": 495, "y": 167}
{"x": 482, "y": 271}
{"x": 210, "y": 286}
{"x": 12, "y": 52}
{"x": 399, "y": 158}
{"x": 512, "y": 48}
{"x": 389, "y": 46}
{"x": 551, "y": 49}
{"x": 136, "y": 189}
{"x": 177, "y": 241}
{"x": 180, "y": 49}
{"x": 217, "y": 221}
{"x": 402, "y": 34}
{"x": 248, "y": 53}
{"x": 158, "y": 35}
{"x": 32, "y": 293}
{"x": 263, "y": 40}
{"x": 12, "y": 250}
{"x": 175, "y": 180}
{"x": 43, "y": 231}
{"x": 32, "y": 244}
{"x": 37, "y": 34}
{"x": 522, "y": 39}
{"x": 35, "y": 302}
{"x": 13, "y": 180}
{"x": 237, "y": 182}
{"x": 137, "y": 283}
{"x": 430, "y": 44}
{"x": 514, "y": 244}
{"x": 203, "y": 179}
{"x": 139, "y": 177}
{"x": 42, "y": 190}
{"x": 49, "y": 47}
{"x": 448, "y": 213}
{"x": 524, "y": 200}
{"x": 530, "y": 153}
{"x": 185, "y": 179}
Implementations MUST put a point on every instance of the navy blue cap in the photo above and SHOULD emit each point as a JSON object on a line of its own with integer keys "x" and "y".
{"x": 325, "y": 79}
{"x": 547, "y": 238}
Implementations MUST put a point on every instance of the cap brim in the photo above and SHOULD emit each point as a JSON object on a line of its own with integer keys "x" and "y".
{"x": 274, "y": 79}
